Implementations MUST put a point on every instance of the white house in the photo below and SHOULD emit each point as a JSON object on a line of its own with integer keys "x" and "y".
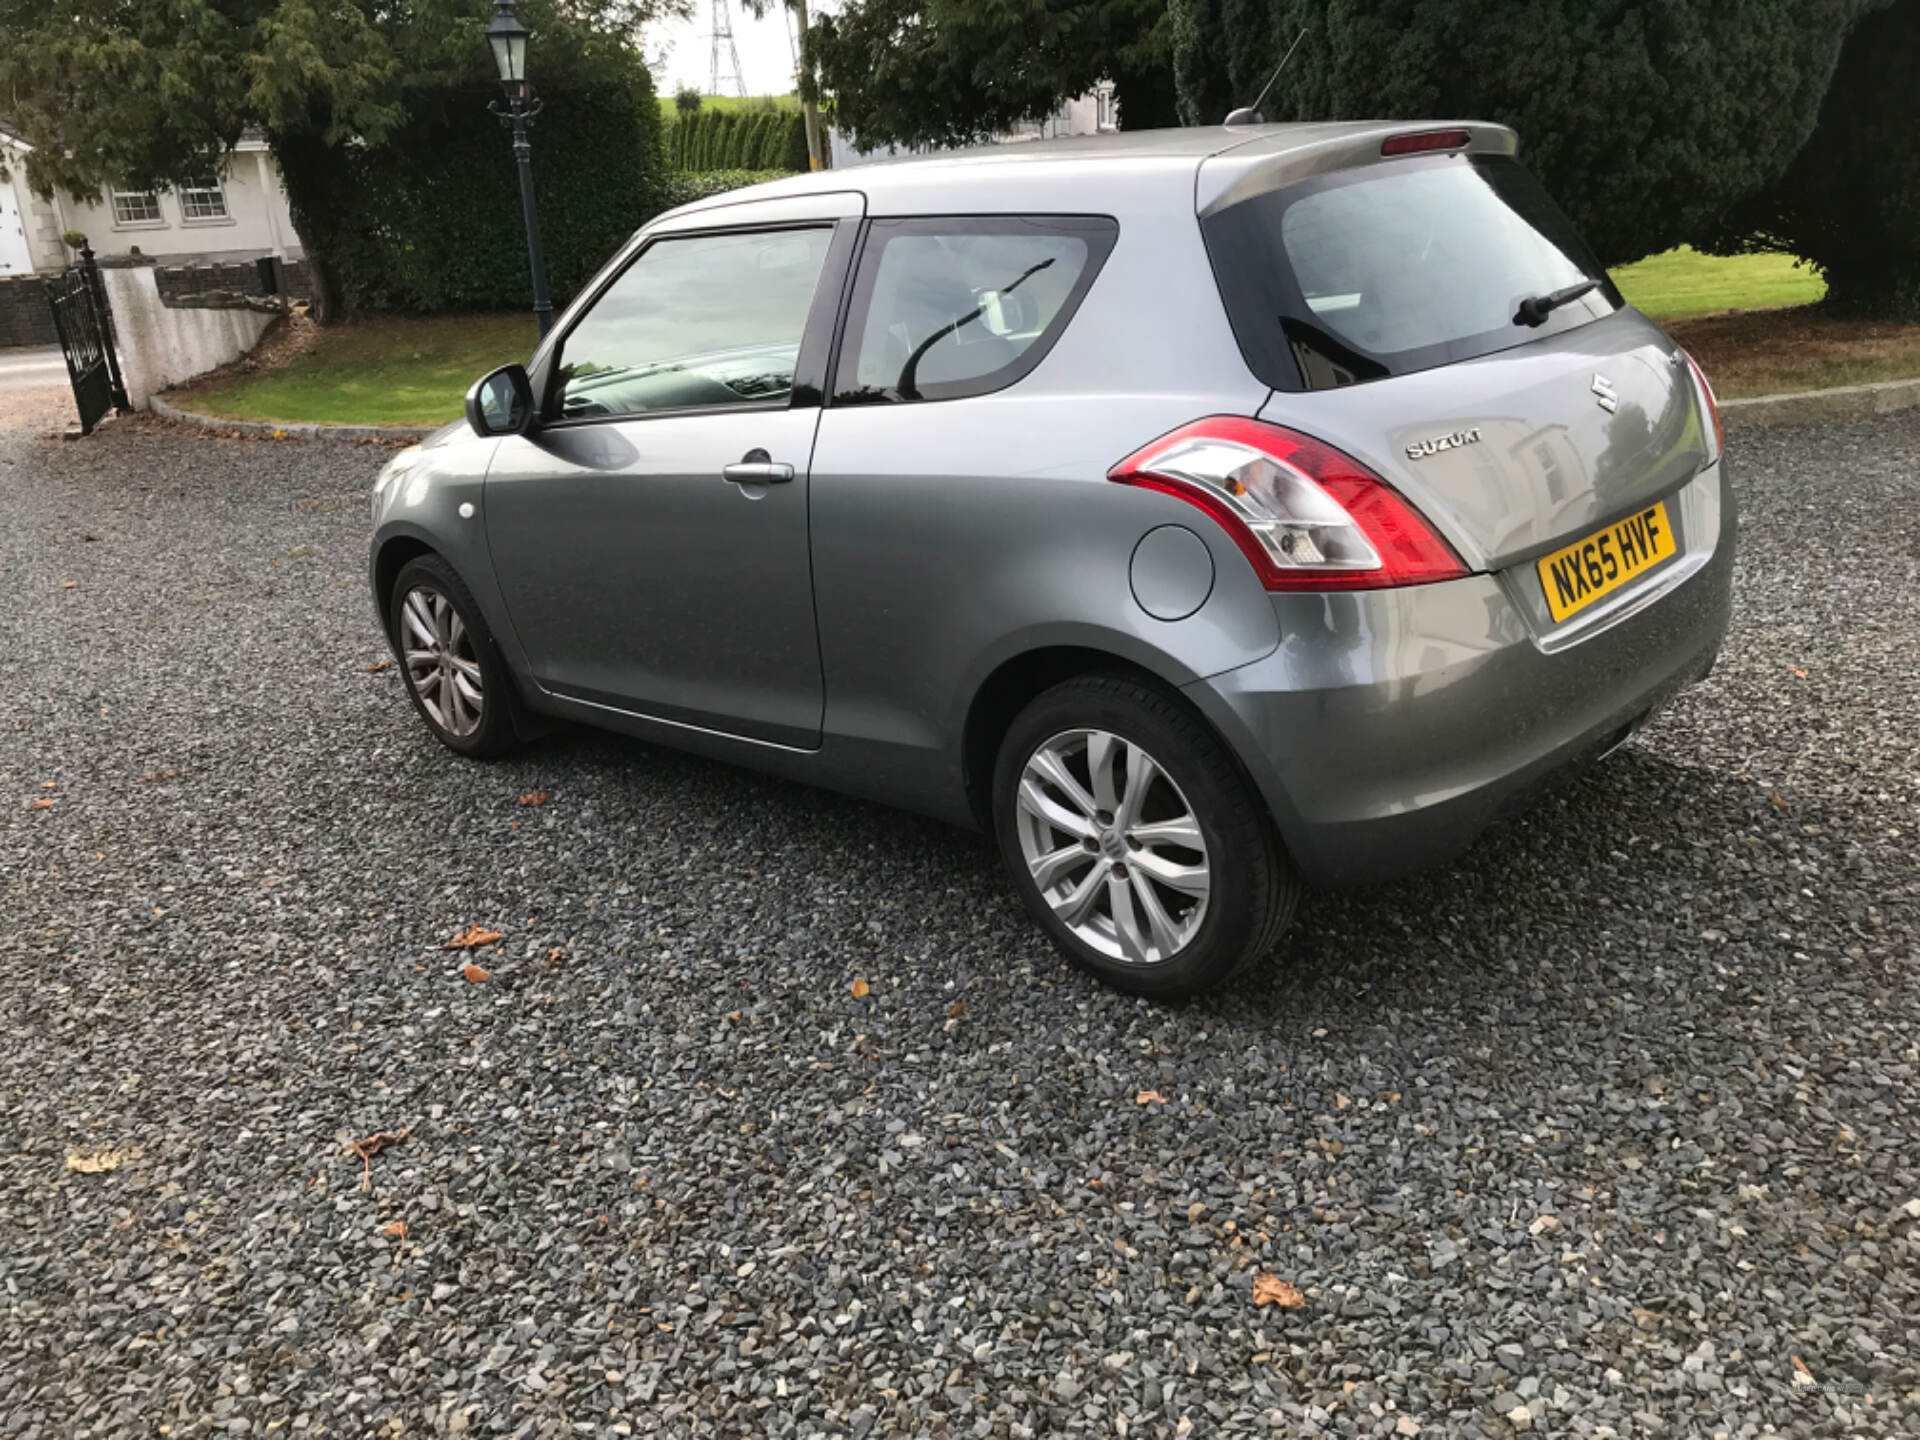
{"x": 237, "y": 214}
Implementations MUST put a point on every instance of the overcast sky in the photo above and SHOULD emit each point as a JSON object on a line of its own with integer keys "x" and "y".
{"x": 766, "y": 55}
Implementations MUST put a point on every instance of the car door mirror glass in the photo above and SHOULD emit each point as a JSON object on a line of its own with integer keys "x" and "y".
{"x": 501, "y": 403}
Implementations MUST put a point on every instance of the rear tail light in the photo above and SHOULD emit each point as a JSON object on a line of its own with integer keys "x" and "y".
{"x": 1423, "y": 140}
{"x": 1709, "y": 406}
{"x": 1307, "y": 516}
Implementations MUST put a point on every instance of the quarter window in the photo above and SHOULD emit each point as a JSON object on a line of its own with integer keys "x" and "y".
{"x": 203, "y": 200}
{"x": 949, "y": 307}
{"x": 136, "y": 207}
{"x": 696, "y": 322}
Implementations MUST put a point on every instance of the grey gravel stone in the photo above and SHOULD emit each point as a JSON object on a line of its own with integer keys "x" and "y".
{"x": 1674, "y": 1008}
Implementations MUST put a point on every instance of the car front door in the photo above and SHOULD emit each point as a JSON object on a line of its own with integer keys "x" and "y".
{"x": 650, "y": 536}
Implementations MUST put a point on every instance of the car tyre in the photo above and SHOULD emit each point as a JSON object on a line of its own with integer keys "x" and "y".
{"x": 454, "y": 672}
{"x": 1184, "y": 819}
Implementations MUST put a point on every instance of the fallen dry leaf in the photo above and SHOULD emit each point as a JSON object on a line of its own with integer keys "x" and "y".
{"x": 472, "y": 936}
{"x": 371, "y": 1146}
{"x": 396, "y": 1228}
{"x": 68, "y": 584}
{"x": 1272, "y": 1290}
{"x": 534, "y": 797}
{"x": 41, "y": 804}
{"x": 1801, "y": 1374}
{"x": 859, "y": 988}
{"x": 49, "y": 784}
{"x": 475, "y": 975}
{"x": 556, "y": 956}
{"x": 1797, "y": 672}
{"x": 1780, "y": 802}
{"x": 93, "y": 1162}
{"x": 377, "y": 666}
{"x": 1149, "y": 1097}
{"x": 158, "y": 776}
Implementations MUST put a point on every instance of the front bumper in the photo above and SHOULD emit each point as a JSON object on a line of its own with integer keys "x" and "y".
{"x": 1391, "y": 727}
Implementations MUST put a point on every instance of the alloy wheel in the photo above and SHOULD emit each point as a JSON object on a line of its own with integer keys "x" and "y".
{"x": 441, "y": 663}
{"x": 1113, "y": 846}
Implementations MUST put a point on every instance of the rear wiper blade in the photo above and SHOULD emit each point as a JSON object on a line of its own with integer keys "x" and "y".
{"x": 1535, "y": 308}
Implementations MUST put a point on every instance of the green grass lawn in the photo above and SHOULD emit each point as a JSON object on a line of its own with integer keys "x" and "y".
{"x": 1685, "y": 282}
{"x": 731, "y": 102}
{"x": 413, "y": 370}
{"x": 389, "y": 370}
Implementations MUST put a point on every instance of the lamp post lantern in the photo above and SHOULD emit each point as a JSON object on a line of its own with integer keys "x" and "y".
{"x": 508, "y": 39}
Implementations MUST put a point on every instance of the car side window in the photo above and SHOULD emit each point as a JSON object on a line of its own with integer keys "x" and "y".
{"x": 696, "y": 321}
{"x": 950, "y": 306}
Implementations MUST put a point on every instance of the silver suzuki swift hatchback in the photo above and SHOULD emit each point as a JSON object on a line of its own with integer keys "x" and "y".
{"x": 1201, "y": 513}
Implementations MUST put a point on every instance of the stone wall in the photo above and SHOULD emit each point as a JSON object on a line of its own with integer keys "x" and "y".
{"x": 25, "y": 316}
{"x": 237, "y": 277}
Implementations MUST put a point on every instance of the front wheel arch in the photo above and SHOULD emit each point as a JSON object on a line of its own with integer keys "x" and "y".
{"x": 388, "y": 561}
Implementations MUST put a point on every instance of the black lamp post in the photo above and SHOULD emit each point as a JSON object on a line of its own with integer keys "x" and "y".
{"x": 508, "y": 38}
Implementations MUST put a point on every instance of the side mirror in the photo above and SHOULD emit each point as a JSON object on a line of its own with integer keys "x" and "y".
{"x": 501, "y": 403}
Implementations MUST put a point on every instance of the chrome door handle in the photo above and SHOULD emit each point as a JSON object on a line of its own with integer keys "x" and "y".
{"x": 757, "y": 472}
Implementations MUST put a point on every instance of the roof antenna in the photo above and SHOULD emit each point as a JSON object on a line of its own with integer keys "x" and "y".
{"x": 1250, "y": 114}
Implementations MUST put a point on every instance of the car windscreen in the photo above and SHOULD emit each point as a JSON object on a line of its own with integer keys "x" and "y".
{"x": 1398, "y": 267}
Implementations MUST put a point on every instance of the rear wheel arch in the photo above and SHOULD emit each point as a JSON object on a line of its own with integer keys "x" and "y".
{"x": 1191, "y": 812}
{"x": 1016, "y": 681}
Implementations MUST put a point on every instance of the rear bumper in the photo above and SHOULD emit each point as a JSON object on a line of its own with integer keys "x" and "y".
{"x": 1391, "y": 727}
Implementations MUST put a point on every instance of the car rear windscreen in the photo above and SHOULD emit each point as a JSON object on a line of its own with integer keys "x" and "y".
{"x": 1397, "y": 267}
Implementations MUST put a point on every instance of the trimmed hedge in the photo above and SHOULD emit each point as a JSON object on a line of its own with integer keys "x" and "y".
{"x": 711, "y": 139}
{"x": 432, "y": 219}
{"x": 683, "y": 187}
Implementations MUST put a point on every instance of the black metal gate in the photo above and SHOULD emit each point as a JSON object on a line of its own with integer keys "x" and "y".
{"x": 85, "y": 324}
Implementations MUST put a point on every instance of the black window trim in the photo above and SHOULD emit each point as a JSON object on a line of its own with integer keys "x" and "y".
{"x": 1101, "y": 232}
{"x": 810, "y": 368}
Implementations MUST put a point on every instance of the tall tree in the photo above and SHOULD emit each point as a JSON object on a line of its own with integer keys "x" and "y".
{"x": 1850, "y": 201}
{"x": 950, "y": 72}
{"x": 1647, "y": 119}
{"x": 150, "y": 93}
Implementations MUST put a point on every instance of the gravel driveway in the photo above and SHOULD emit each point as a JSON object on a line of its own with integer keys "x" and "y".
{"x": 1613, "y": 1128}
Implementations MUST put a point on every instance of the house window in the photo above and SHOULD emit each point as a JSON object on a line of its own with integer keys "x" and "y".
{"x": 203, "y": 200}
{"x": 136, "y": 207}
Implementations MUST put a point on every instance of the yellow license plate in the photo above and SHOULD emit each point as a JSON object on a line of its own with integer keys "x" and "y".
{"x": 1593, "y": 568}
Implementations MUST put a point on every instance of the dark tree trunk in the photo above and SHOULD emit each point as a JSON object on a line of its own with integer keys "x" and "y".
{"x": 1148, "y": 99}
{"x": 316, "y": 178}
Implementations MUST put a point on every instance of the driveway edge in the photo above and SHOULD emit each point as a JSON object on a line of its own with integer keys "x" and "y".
{"x": 307, "y": 430}
{"x": 1844, "y": 402}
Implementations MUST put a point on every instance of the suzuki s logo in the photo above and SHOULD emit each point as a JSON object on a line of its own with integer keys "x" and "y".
{"x": 1424, "y": 448}
{"x": 1604, "y": 393}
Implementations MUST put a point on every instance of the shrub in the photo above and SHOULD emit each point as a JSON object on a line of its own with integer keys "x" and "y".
{"x": 1850, "y": 201}
{"x": 1645, "y": 118}
{"x": 432, "y": 220}
{"x": 683, "y": 187}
